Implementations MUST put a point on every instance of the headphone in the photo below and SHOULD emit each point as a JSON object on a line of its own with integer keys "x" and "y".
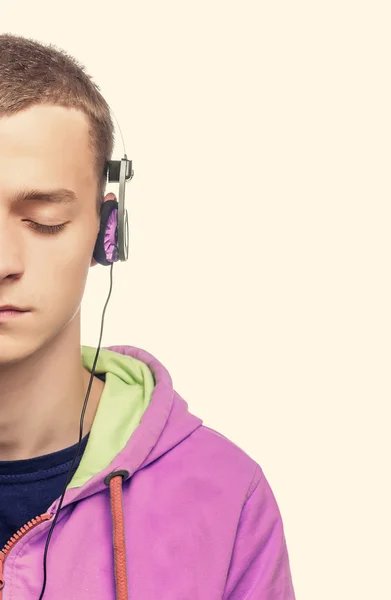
{"x": 112, "y": 244}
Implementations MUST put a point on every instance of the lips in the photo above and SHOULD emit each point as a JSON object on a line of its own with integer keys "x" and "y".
{"x": 8, "y": 313}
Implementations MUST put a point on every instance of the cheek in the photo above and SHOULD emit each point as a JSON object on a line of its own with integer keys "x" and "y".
{"x": 70, "y": 247}
{"x": 62, "y": 264}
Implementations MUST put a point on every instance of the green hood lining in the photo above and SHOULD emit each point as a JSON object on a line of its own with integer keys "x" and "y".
{"x": 125, "y": 397}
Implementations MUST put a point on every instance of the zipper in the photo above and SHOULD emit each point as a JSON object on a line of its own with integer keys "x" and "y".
{"x": 14, "y": 540}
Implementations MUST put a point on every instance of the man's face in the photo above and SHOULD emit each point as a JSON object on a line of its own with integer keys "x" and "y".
{"x": 44, "y": 148}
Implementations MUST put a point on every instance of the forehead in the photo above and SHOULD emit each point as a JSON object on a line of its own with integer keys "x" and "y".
{"x": 45, "y": 145}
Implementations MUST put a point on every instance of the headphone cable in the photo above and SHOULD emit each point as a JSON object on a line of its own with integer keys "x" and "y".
{"x": 69, "y": 475}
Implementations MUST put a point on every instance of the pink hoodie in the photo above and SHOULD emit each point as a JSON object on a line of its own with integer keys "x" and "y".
{"x": 189, "y": 515}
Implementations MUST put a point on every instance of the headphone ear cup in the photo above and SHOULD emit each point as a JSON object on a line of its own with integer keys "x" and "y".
{"x": 106, "y": 249}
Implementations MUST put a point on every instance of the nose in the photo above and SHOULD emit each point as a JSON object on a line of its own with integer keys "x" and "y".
{"x": 11, "y": 265}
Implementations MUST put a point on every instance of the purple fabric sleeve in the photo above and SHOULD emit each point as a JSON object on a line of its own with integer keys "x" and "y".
{"x": 260, "y": 567}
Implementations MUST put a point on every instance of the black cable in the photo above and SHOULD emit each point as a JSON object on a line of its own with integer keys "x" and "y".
{"x": 69, "y": 475}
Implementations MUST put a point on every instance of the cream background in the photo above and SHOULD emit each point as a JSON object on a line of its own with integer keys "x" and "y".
{"x": 259, "y": 268}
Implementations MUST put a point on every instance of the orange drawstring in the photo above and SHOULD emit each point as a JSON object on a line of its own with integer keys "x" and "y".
{"x": 114, "y": 480}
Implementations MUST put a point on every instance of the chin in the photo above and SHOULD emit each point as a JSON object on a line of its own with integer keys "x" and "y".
{"x": 17, "y": 348}
{"x": 21, "y": 343}
{"x": 12, "y": 353}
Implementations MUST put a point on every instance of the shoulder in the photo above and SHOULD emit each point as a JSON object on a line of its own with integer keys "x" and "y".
{"x": 221, "y": 459}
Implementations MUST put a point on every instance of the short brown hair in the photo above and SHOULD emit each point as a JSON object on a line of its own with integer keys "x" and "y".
{"x": 35, "y": 73}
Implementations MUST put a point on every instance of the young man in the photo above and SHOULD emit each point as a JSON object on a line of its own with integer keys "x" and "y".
{"x": 159, "y": 506}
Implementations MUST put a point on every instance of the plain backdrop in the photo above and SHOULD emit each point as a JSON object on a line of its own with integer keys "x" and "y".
{"x": 259, "y": 265}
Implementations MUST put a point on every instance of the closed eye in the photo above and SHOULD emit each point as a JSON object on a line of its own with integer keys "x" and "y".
{"x": 46, "y": 228}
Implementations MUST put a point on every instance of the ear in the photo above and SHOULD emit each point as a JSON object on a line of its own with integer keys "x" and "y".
{"x": 109, "y": 196}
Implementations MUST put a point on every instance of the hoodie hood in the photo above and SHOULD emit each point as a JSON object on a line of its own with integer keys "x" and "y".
{"x": 139, "y": 418}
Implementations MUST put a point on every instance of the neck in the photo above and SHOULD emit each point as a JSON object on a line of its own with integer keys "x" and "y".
{"x": 42, "y": 396}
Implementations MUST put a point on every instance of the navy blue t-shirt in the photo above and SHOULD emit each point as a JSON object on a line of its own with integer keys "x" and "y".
{"x": 28, "y": 487}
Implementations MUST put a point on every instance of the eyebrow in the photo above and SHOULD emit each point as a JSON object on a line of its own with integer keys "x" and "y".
{"x": 57, "y": 196}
